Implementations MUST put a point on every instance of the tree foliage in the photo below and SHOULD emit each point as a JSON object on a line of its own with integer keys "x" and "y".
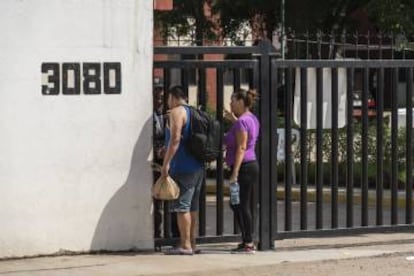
{"x": 187, "y": 17}
{"x": 264, "y": 16}
{"x": 393, "y": 15}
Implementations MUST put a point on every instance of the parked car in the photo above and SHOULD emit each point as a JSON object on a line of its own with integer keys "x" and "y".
{"x": 357, "y": 103}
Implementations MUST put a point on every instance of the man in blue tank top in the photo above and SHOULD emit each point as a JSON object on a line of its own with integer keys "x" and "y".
{"x": 184, "y": 169}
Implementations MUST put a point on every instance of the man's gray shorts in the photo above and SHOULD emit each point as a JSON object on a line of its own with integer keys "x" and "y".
{"x": 190, "y": 186}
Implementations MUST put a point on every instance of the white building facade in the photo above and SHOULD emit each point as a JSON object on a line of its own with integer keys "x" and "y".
{"x": 76, "y": 126}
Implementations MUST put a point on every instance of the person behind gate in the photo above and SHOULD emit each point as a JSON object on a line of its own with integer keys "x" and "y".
{"x": 240, "y": 142}
{"x": 159, "y": 149}
{"x": 158, "y": 144}
{"x": 184, "y": 169}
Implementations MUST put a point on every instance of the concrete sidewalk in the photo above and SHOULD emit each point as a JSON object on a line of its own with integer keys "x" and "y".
{"x": 216, "y": 259}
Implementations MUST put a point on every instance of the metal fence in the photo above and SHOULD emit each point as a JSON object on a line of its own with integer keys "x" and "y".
{"x": 356, "y": 167}
{"x": 320, "y": 45}
{"x": 356, "y": 45}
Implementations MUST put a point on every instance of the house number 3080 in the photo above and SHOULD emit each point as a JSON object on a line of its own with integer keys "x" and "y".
{"x": 89, "y": 78}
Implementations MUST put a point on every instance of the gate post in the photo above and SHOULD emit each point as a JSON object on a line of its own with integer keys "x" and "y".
{"x": 265, "y": 229}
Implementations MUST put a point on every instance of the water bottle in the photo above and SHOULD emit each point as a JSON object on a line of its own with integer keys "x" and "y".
{"x": 234, "y": 193}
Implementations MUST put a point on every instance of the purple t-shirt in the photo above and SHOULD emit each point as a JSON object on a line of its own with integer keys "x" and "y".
{"x": 246, "y": 123}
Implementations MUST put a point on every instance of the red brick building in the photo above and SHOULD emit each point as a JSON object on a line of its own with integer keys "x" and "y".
{"x": 161, "y": 5}
{"x": 159, "y": 40}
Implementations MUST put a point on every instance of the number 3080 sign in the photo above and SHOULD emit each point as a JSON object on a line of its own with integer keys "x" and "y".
{"x": 91, "y": 78}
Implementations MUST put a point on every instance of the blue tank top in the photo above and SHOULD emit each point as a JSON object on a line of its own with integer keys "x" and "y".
{"x": 183, "y": 161}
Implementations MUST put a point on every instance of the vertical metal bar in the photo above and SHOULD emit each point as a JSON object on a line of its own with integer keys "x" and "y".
{"x": 319, "y": 148}
{"x": 368, "y": 44}
{"x": 307, "y": 44}
{"x": 380, "y": 146}
{"x": 264, "y": 231}
{"x": 356, "y": 44}
{"x": 184, "y": 80}
{"x": 303, "y": 149}
{"x": 282, "y": 17}
{"x": 236, "y": 79}
{"x": 288, "y": 151}
{"x": 380, "y": 45}
{"x": 167, "y": 83}
{"x": 202, "y": 101}
{"x": 256, "y": 202}
{"x": 273, "y": 149}
{"x": 167, "y": 220}
{"x": 334, "y": 149}
{"x": 202, "y": 209}
{"x": 202, "y": 83}
{"x": 409, "y": 151}
{"x": 364, "y": 184}
{"x": 392, "y": 45}
{"x": 295, "y": 47}
{"x": 331, "y": 46}
{"x": 167, "y": 214}
{"x": 251, "y": 78}
{"x": 236, "y": 229}
{"x": 299, "y": 47}
{"x": 394, "y": 149}
{"x": 319, "y": 41}
{"x": 404, "y": 49}
{"x": 350, "y": 150}
{"x": 236, "y": 86}
{"x": 343, "y": 37}
{"x": 219, "y": 167}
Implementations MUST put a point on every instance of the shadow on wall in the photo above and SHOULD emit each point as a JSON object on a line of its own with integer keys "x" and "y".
{"x": 126, "y": 222}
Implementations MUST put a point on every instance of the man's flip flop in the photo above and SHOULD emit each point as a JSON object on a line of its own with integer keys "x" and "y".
{"x": 179, "y": 251}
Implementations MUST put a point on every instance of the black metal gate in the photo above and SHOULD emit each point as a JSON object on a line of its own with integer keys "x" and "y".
{"x": 369, "y": 161}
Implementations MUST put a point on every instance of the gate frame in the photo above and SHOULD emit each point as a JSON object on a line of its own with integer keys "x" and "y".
{"x": 266, "y": 57}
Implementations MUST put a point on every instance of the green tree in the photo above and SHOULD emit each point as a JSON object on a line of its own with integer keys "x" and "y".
{"x": 311, "y": 15}
{"x": 187, "y": 17}
{"x": 263, "y": 16}
{"x": 301, "y": 15}
{"x": 393, "y": 15}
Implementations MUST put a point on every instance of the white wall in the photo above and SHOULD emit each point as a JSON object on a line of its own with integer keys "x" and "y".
{"x": 73, "y": 168}
{"x": 326, "y": 101}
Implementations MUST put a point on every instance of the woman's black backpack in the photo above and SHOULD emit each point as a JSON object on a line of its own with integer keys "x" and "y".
{"x": 205, "y": 134}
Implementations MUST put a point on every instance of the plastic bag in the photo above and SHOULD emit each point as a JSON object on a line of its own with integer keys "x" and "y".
{"x": 165, "y": 188}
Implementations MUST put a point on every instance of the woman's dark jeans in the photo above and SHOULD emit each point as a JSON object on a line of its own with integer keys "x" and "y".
{"x": 248, "y": 179}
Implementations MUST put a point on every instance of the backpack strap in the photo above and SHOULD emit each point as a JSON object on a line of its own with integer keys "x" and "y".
{"x": 190, "y": 117}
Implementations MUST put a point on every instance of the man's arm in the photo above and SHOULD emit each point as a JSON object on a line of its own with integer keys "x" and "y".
{"x": 177, "y": 118}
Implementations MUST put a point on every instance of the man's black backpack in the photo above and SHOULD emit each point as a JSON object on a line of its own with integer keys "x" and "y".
{"x": 205, "y": 133}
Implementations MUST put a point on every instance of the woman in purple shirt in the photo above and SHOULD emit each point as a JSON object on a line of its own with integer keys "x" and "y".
{"x": 240, "y": 143}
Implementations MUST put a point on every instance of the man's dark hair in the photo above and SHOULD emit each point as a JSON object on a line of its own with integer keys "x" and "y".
{"x": 177, "y": 91}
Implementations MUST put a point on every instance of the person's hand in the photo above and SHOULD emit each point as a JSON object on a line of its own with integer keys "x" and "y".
{"x": 229, "y": 116}
{"x": 165, "y": 169}
{"x": 233, "y": 178}
{"x": 161, "y": 152}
